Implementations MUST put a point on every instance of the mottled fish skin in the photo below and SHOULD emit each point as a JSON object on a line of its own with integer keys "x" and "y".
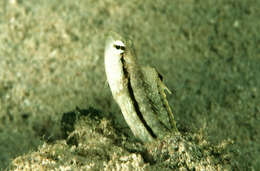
{"x": 149, "y": 93}
{"x": 139, "y": 91}
{"x": 118, "y": 83}
{"x": 158, "y": 98}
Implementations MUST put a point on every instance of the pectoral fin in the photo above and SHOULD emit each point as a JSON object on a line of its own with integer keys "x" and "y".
{"x": 163, "y": 87}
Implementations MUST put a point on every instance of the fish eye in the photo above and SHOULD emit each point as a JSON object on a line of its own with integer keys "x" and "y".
{"x": 122, "y": 47}
{"x": 117, "y": 47}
